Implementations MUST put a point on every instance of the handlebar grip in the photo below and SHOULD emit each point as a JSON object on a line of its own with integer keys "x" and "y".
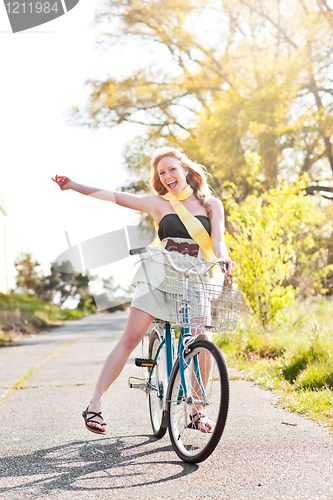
{"x": 224, "y": 266}
{"x": 136, "y": 251}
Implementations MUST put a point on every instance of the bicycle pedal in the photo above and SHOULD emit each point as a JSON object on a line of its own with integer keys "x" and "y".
{"x": 138, "y": 383}
{"x": 145, "y": 362}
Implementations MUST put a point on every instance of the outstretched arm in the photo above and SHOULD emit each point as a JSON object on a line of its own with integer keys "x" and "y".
{"x": 217, "y": 233}
{"x": 141, "y": 203}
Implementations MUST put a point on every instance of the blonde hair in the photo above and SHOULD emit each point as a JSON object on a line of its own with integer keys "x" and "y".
{"x": 196, "y": 177}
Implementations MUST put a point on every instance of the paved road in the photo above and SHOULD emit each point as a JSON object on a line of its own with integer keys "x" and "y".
{"x": 46, "y": 452}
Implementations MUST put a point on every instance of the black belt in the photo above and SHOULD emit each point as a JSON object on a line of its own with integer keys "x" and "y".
{"x": 191, "y": 249}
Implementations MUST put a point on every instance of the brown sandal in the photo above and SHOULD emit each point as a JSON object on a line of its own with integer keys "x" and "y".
{"x": 87, "y": 419}
{"x": 202, "y": 420}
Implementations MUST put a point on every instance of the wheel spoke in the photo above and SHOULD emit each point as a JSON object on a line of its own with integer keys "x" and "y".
{"x": 158, "y": 392}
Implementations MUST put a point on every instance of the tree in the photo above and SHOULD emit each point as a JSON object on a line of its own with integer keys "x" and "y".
{"x": 56, "y": 287}
{"x": 62, "y": 286}
{"x": 27, "y": 278}
{"x": 260, "y": 80}
{"x": 108, "y": 297}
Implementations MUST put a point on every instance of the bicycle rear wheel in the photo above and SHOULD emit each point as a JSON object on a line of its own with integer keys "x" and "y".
{"x": 205, "y": 388}
{"x": 157, "y": 394}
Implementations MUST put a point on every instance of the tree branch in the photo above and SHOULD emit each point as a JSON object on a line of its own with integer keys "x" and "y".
{"x": 265, "y": 16}
{"x": 319, "y": 189}
{"x": 319, "y": 103}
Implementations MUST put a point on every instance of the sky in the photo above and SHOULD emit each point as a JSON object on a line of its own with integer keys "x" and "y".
{"x": 44, "y": 70}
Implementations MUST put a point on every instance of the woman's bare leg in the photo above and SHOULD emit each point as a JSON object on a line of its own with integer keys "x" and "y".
{"x": 137, "y": 325}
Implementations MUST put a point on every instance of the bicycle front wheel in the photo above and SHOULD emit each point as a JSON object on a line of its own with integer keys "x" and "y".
{"x": 158, "y": 382}
{"x": 202, "y": 386}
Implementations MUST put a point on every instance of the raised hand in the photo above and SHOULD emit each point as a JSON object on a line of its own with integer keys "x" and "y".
{"x": 63, "y": 182}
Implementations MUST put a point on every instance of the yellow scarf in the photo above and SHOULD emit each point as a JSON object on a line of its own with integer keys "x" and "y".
{"x": 194, "y": 227}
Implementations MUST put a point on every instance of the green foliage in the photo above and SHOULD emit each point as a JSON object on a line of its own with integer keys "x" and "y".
{"x": 294, "y": 342}
{"x": 302, "y": 370}
{"x": 271, "y": 236}
{"x": 86, "y": 305}
{"x": 293, "y": 368}
{"x": 251, "y": 343}
{"x": 261, "y": 346}
{"x": 316, "y": 376}
{"x": 316, "y": 404}
{"x": 310, "y": 366}
{"x": 23, "y": 314}
{"x": 27, "y": 276}
{"x": 64, "y": 286}
{"x": 56, "y": 286}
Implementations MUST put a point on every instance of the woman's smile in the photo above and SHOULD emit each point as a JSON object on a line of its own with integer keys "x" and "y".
{"x": 172, "y": 185}
{"x": 172, "y": 175}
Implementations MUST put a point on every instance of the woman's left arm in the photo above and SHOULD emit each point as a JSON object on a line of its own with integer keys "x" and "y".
{"x": 217, "y": 233}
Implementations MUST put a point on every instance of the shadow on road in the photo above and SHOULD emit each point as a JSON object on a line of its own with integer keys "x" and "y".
{"x": 106, "y": 464}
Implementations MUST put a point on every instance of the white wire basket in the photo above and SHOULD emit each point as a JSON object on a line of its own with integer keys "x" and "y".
{"x": 202, "y": 305}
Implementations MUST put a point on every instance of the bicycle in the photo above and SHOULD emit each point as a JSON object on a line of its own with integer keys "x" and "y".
{"x": 191, "y": 379}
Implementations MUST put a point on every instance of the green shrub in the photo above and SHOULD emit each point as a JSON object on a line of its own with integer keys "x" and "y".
{"x": 314, "y": 349}
{"x": 316, "y": 376}
{"x": 315, "y": 353}
{"x": 295, "y": 357}
{"x": 250, "y": 342}
{"x": 263, "y": 347}
{"x": 271, "y": 238}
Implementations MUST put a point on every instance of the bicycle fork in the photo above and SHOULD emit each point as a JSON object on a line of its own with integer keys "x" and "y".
{"x": 183, "y": 365}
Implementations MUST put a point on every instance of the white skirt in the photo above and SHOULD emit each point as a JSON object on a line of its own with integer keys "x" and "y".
{"x": 151, "y": 280}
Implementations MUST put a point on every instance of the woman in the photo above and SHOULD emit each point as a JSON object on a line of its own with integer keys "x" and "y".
{"x": 172, "y": 177}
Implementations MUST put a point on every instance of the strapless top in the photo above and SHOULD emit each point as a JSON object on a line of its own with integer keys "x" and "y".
{"x": 172, "y": 227}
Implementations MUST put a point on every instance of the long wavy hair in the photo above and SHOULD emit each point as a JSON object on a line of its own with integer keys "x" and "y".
{"x": 196, "y": 177}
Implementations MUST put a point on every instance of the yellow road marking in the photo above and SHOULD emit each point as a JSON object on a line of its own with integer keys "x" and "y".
{"x": 28, "y": 374}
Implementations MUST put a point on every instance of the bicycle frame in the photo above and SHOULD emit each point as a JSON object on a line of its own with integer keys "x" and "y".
{"x": 167, "y": 341}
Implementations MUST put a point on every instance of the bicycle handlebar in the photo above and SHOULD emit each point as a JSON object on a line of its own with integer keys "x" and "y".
{"x": 136, "y": 251}
{"x": 152, "y": 249}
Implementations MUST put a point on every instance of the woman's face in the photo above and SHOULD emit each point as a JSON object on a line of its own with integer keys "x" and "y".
{"x": 172, "y": 174}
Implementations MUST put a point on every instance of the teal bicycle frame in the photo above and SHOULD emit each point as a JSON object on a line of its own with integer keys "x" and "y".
{"x": 185, "y": 334}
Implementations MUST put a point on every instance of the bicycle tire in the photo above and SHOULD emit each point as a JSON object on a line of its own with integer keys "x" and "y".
{"x": 157, "y": 399}
{"x": 192, "y": 445}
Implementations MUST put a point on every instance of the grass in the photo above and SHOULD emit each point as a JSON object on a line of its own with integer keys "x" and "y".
{"x": 294, "y": 358}
{"x": 22, "y": 314}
